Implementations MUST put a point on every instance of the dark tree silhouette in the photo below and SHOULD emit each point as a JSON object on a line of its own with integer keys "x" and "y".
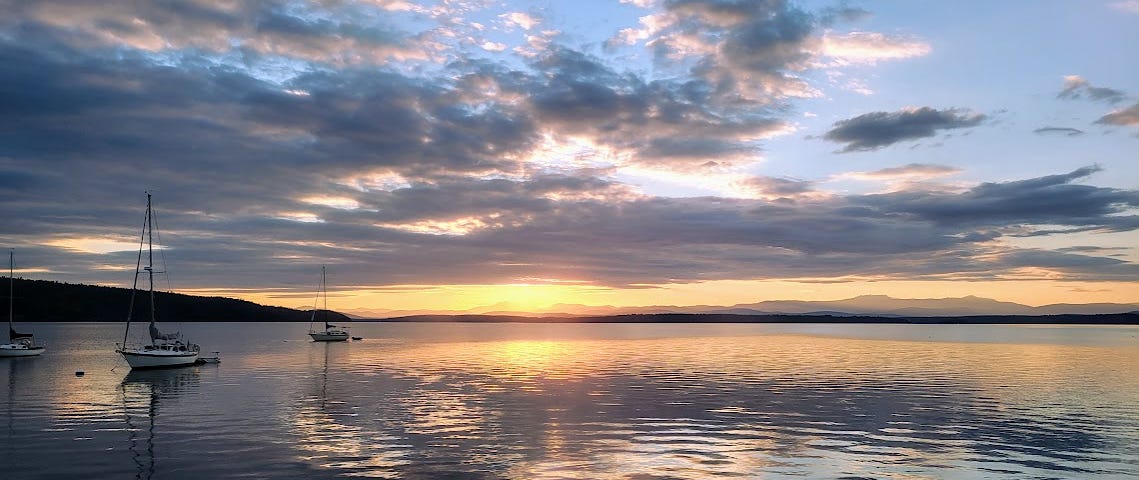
{"x": 47, "y": 301}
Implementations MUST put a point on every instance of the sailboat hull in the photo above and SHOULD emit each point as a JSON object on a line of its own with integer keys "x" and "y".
{"x": 158, "y": 359}
{"x": 19, "y": 350}
{"x": 328, "y": 336}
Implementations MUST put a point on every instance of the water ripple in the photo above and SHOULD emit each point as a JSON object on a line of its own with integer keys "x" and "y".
{"x": 589, "y": 401}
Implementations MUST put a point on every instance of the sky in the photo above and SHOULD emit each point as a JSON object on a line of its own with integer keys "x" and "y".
{"x": 457, "y": 154}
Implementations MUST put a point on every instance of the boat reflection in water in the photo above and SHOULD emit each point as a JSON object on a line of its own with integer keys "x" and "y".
{"x": 144, "y": 393}
{"x": 16, "y": 367}
{"x": 332, "y": 435}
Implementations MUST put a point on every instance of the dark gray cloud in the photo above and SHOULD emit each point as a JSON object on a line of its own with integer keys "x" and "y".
{"x": 926, "y": 234}
{"x": 397, "y": 176}
{"x": 1048, "y": 200}
{"x": 574, "y": 226}
{"x": 875, "y": 130}
{"x": 661, "y": 123}
{"x": 751, "y": 49}
{"x": 779, "y": 187}
{"x": 1076, "y": 88}
{"x": 336, "y": 33}
{"x": 1065, "y": 131}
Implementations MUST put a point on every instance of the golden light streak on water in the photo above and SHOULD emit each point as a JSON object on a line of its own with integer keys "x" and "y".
{"x": 588, "y": 401}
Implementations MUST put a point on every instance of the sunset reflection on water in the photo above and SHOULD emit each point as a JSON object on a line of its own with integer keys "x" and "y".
{"x": 694, "y": 406}
{"x": 589, "y": 401}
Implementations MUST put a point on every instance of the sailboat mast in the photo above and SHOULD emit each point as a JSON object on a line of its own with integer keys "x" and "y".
{"x": 11, "y": 282}
{"x": 324, "y": 289}
{"x": 150, "y": 254}
{"x": 137, "y": 265}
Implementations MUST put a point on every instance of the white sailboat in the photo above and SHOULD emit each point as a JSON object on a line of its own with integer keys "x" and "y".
{"x": 164, "y": 349}
{"x": 331, "y": 333}
{"x": 19, "y": 344}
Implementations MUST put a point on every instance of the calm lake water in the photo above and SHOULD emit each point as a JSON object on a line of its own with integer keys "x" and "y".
{"x": 524, "y": 401}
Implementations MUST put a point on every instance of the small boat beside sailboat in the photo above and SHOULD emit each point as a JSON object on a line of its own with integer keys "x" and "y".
{"x": 331, "y": 333}
{"x": 164, "y": 349}
{"x": 19, "y": 344}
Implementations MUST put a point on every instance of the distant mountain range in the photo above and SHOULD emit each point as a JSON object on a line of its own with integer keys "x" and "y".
{"x": 45, "y": 301}
{"x": 865, "y": 305}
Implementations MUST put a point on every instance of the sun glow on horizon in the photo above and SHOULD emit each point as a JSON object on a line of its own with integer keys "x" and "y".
{"x": 551, "y": 298}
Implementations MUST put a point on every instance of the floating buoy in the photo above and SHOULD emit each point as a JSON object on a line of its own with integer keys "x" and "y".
{"x": 79, "y": 373}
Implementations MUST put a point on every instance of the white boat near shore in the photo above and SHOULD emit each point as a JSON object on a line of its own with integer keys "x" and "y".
{"x": 19, "y": 344}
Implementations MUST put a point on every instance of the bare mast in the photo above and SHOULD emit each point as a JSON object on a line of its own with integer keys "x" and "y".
{"x": 150, "y": 257}
{"x": 324, "y": 289}
{"x": 137, "y": 265}
{"x": 11, "y": 282}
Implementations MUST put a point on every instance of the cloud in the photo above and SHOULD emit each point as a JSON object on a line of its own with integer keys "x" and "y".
{"x": 772, "y": 187}
{"x": 1076, "y": 87}
{"x": 694, "y": 239}
{"x": 844, "y": 13}
{"x": 520, "y": 19}
{"x": 341, "y": 34}
{"x": 1122, "y": 117}
{"x": 1127, "y": 6}
{"x": 923, "y": 177}
{"x": 493, "y": 46}
{"x": 307, "y": 141}
{"x": 650, "y": 26}
{"x": 1048, "y": 200}
{"x": 742, "y": 51}
{"x": 871, "y": 47}
{"x": 913, "y": 169}
{"x": 1065, "y": 131}
{"x": 440, "y": 221}
{"x": 1088, "y": 249}
{"x": 756, "y": 52}
{"x": 875, "y": 130}
{"x": 938, "y": 231}
{"x": 660, "y": 124}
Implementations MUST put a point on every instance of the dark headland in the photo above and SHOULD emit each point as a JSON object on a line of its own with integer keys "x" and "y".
{"x": 47, "y": 301}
